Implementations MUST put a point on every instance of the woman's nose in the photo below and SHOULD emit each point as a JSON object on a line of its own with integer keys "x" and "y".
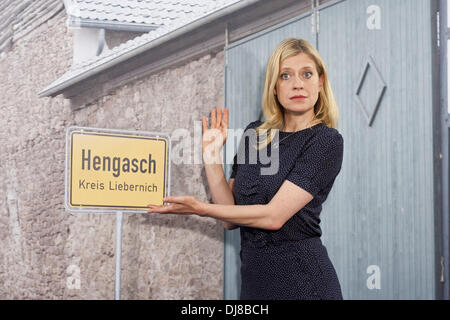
{"x": 298, "y": 82}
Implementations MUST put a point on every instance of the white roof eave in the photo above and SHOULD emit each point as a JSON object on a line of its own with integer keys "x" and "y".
{"x": 75, "y": 22}
{"x": 135, "y": 47}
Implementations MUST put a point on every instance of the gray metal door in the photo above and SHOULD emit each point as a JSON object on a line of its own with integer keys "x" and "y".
{"x": 445, "y": 146}
{"x": 378, "y": 221}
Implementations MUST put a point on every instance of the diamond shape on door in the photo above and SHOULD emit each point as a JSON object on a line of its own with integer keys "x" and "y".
{"x": 369, "y": 96}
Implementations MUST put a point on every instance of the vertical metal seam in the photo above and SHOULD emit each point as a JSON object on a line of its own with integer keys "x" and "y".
{"x": 317, "y": 17}
{"x": 443, "y": 78}
{"x": 225, "y": 67}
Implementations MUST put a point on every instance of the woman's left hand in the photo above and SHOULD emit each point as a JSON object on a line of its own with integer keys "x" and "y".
{"x": 179, "y": 205}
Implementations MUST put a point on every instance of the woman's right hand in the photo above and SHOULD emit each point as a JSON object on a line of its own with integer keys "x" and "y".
{"x": 218, "y": 130}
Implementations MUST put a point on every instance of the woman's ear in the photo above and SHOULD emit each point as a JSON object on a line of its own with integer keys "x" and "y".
{"x": 275, "y": 91}
{"x": 321, "y": 81}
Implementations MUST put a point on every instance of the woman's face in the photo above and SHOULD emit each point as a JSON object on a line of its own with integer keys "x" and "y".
{"x": 298, "y": 77}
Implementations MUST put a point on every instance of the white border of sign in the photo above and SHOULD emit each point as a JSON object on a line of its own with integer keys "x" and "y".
{"x": 82, "y": 210}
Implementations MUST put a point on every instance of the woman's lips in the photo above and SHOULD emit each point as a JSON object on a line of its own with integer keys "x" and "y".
{"x": 298, "y": 98}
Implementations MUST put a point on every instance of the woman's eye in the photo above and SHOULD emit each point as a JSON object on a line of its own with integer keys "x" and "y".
{"x": 286, "y": 76}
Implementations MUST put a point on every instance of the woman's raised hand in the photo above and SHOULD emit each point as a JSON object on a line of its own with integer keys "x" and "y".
{"x": 214, "y": 137}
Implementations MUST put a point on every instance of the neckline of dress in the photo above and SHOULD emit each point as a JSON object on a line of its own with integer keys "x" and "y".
{"x": 292, "y": 132}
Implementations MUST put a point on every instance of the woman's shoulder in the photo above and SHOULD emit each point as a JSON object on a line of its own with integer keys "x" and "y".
{"x": 254, "y": 124}
{"x": 327, "y": 135}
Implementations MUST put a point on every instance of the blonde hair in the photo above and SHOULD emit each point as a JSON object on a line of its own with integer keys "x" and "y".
{"x": 325, "y": 109}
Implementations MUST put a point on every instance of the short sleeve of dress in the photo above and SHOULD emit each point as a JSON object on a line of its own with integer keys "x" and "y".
{"x": 234, "y": 168}
{"x": 318, "y": 165}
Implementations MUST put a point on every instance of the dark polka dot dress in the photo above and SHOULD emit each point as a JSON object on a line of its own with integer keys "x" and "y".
{"x": 290, "y": 263}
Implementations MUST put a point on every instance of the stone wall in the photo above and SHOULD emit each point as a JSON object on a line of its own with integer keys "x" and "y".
{"x": 42, "y": 245}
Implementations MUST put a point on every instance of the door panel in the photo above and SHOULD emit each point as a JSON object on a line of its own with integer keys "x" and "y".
{"x": 378, "y": 221}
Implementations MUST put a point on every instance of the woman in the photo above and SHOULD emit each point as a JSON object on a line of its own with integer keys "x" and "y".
{"x": 278, "y": 214}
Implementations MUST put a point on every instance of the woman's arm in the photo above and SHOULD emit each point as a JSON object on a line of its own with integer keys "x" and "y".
{"x": 221, "y": 191}
{"x": 228, "y": 225}
{"x": 272, "y": 216}
{"x": 323, "y": 163}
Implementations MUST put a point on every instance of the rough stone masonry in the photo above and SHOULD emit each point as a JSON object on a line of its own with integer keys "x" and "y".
{"x": 48, "y": 253}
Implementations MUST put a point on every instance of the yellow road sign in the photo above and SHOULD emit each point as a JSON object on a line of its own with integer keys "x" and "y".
{"x": 111, "y": 170}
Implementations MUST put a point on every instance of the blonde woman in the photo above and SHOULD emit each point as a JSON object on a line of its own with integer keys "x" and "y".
{"x": 282, "y": 255}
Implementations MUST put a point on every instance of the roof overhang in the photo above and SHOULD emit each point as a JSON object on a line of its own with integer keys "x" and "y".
{"x": 75, "y": 22}
{"x": 189, "y": 41}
